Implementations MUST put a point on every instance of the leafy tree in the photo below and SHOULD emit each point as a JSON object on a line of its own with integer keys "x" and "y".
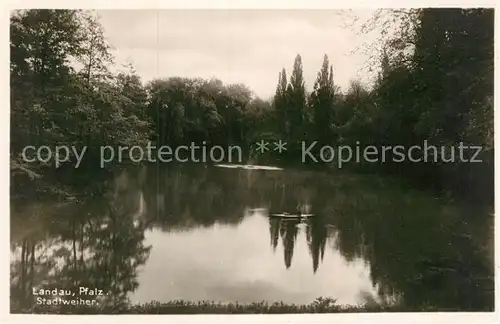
{"x": 296, "y": 101}
{"x": 322, "y": 102}
{"x": 95, "y": 53}
{"x": 280, "y": 104}
{"x": 57, "y": 102}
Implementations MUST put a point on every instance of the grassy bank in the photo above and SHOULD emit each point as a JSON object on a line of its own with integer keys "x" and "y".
{"x": 320, "y": 305}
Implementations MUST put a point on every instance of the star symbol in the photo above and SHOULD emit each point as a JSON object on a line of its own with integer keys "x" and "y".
{"x": 280, "y": 146}
{"x": 262, "y": 146}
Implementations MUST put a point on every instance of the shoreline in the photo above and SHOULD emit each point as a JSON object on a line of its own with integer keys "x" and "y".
{"x": 320, "y": 305}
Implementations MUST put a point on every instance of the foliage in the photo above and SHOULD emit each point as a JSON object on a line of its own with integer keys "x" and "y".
{"x": 435, "y": 84}
{"x": 185, "y": 110}
{"x": 53, "y": 101}
{"x": 321, "y": 102}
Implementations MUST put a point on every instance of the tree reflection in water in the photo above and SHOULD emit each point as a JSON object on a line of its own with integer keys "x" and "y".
{"x": 417, "y": 248}
{"x": 92, "y": 243}
{"x": 288, "y": 229}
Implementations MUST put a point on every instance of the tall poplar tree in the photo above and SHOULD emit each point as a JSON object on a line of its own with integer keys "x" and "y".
{"x": 321, "y": 102}
{"x": 296, "y": 99}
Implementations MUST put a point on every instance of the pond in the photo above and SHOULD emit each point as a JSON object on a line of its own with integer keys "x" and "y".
{"x": 163, "y": 233}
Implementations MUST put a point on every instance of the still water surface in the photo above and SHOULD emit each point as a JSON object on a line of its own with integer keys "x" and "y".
{"x": 205, "y": 233}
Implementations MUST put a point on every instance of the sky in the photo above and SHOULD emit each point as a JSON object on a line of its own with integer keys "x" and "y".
{"x": 238, "y": 46}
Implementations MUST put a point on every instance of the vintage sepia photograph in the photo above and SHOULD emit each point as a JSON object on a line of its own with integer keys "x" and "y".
{"x": 251, "y": 161}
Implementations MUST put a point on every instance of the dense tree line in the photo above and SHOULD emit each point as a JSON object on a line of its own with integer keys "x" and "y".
{"x": 62, "y": 90}
{"x": 435, "y": 84}
{"x": 184, "y": 110}
{"x": 442, "y": 93}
